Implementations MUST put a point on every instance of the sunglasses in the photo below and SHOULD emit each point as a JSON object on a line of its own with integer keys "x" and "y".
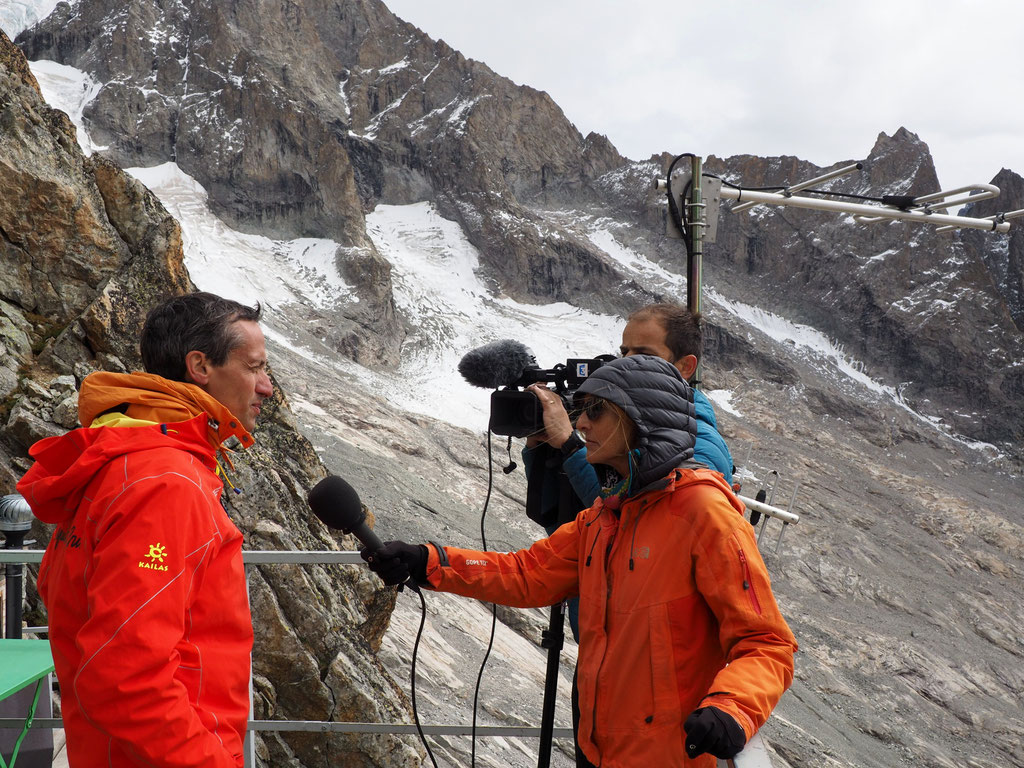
{"x": 593, "y": 409}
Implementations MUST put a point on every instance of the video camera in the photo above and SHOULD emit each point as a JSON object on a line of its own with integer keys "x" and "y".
{"x": 519, "y": 414}
{"x": 509, "y": 367}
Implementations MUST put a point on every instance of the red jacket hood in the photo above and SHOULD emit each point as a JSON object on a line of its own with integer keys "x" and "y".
{"x": 185, "y": 418}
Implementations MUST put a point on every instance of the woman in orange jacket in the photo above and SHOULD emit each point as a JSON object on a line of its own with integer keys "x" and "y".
{"x": 683, "y": 652}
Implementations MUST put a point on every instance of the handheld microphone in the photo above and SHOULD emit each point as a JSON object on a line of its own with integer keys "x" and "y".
{"x": 336, "y": 504}
{"x": 497, "y": 364}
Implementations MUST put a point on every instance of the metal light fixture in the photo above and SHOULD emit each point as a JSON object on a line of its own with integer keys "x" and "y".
{"x": 15, "y": 522}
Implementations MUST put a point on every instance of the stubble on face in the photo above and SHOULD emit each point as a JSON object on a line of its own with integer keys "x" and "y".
{"x": 242, "y": 383}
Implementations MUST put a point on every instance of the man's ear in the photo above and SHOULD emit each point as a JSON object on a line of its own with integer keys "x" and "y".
{"x": 197, "y": 368}
{"x": 687, "y": 366}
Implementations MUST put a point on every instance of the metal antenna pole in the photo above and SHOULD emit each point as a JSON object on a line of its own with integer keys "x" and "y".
{"x": 695, "y": 252}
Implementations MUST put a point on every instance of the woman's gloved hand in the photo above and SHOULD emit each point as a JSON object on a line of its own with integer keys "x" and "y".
{"x": 709, "y": 729}
{"x": 396, "y": 561}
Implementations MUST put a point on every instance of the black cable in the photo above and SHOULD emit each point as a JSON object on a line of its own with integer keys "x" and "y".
{"x": 490, "y": 487}
{"x": 899, "y": 201}
{"x": 687, "y": 232}
{"x": 902, "y": 202}
{"x": 479, "y": 677}
{"x": 749, "y": 189}
{"x": 494, "y": 608}
{"x": 678, "y": 215}
{"x": 415, "y": 651}
{"x": 490, "y": 644}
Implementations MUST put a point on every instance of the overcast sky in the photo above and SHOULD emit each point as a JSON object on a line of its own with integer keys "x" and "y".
{"x": 819, "y": 79}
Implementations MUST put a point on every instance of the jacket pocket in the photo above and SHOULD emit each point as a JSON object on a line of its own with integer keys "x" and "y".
{"x": 663, "y": 705}
{"x": 748, "y": 584}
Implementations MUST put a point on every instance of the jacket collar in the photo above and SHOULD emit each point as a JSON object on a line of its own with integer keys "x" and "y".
{"x": 150, "y": 398}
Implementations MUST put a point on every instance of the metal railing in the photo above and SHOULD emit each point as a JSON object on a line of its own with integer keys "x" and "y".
{"x": 306, "y": 557}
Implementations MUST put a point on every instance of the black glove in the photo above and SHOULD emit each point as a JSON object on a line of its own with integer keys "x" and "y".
{"x": 709, "y": 729}
{"x": 396, "y": 561}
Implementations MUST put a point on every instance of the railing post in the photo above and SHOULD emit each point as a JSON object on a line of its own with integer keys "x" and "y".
{"x": 249, "y": 744}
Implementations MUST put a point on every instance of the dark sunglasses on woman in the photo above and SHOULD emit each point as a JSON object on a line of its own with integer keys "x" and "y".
{"x": 593, "y": 408}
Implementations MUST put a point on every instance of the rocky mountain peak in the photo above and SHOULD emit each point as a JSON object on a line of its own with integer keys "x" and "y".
{"x": 343, "y": 107}
{"x": 900, "y": 164}
{"x": 902, "y": 578}
{"x": 1003, "y": 255}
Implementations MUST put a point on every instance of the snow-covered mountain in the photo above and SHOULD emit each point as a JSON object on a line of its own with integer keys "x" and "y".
{"x": 911, "y": 529}
{"x": 306, "y": 134}
{"x": 435, "y": 272}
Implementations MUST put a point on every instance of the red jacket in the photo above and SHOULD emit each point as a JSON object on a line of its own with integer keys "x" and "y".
{"x": 143, "y": 579}
{"x": 676, "y": 612}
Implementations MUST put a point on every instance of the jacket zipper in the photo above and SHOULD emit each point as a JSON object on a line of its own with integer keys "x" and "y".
{"x": 748, "y": 586}
{"x": 608, "y": 600}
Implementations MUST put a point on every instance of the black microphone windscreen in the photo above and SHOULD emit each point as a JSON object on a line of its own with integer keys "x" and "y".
{"x": 497, "y": 364}
{"x": 336, "y": 503}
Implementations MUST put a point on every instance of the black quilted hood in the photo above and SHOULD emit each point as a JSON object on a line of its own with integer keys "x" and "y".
{"x": 657, "y": 400}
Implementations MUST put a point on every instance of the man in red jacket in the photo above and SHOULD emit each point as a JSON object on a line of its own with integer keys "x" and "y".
{"x": 143, "y": 578}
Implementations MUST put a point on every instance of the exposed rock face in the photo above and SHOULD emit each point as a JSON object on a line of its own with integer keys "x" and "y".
{"x": 86, "y": 251}
{"x": 1004, "y": 256}
{"x": 916, "y": 306}
{"x": 338, "y": 107}
{"x": 902, "y": 579}
{"x": 55, "y": 239}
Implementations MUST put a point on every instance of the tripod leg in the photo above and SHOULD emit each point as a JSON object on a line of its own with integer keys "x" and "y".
{"x": 553, "y": 639}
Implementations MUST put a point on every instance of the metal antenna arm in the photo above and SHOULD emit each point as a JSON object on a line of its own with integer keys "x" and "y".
{"x": 844, "y": 171}
{"x": 998, "y": 218}
{"x": 974, "y": 193}
{"x": 859, "y": 209}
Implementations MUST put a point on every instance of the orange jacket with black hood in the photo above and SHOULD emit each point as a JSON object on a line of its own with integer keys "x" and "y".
{"x": 676, "y": 608}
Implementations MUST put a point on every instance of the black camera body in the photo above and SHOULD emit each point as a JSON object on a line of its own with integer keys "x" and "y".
{"x": 517, "y": 413}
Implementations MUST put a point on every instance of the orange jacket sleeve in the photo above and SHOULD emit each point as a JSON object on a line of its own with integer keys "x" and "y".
{"x": 542, "y": 575}
{"x": 756, "y": 640}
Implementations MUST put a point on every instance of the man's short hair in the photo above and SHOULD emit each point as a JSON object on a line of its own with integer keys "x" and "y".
{"x": 196, "y": 321}
{"x": 683, "y": 331}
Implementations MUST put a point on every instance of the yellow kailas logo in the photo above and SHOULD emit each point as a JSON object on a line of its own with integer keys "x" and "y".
{"x": 157, "y": 553}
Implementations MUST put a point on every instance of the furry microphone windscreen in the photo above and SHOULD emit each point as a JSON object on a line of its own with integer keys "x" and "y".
{"x": 498, "y": 364}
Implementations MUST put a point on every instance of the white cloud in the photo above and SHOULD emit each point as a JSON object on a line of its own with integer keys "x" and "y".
{"x": 814, "y": 79}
